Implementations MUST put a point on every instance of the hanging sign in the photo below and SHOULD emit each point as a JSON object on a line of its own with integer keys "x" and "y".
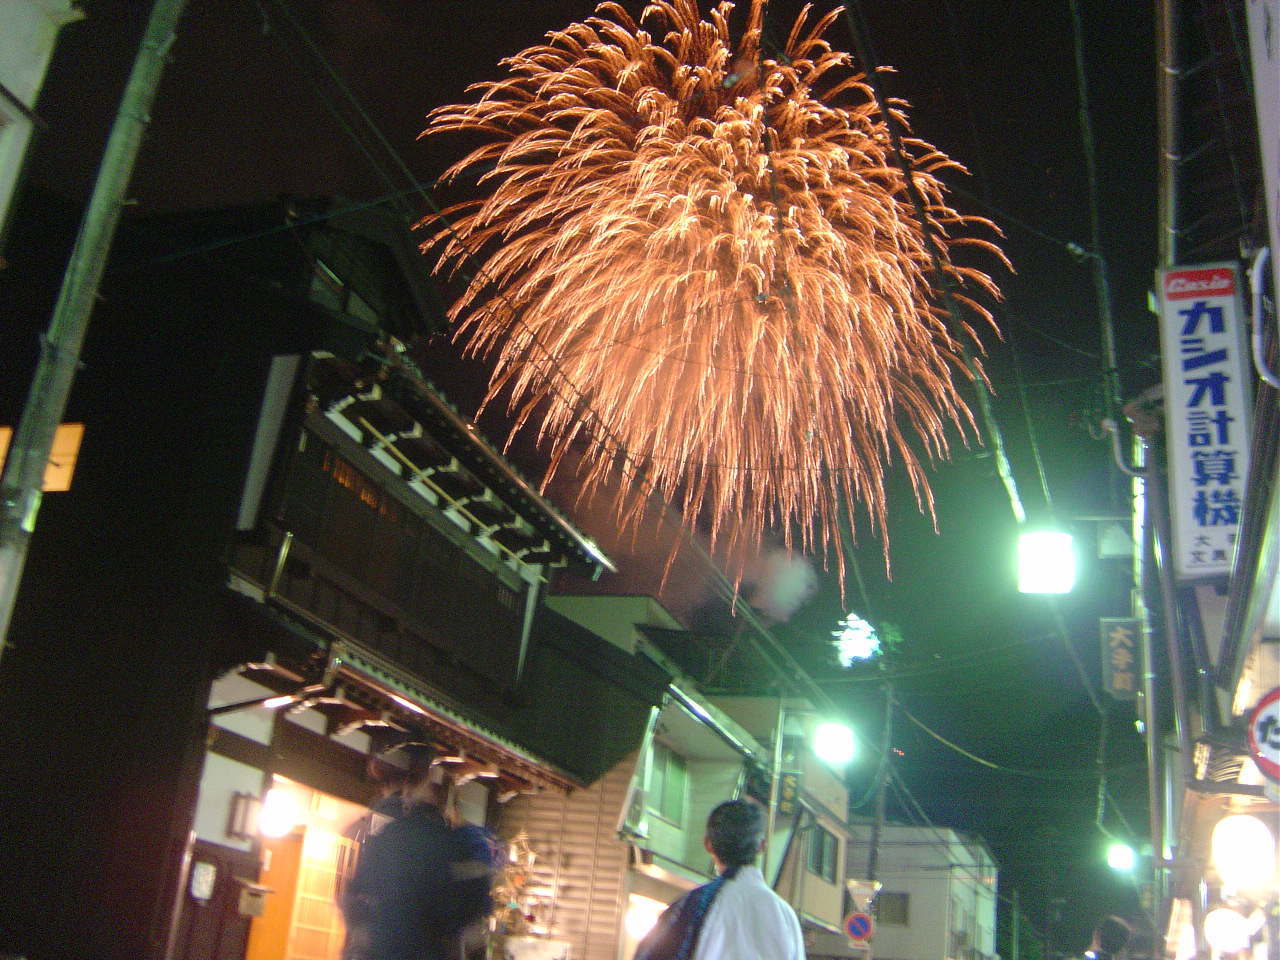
{"x": 62, "y": 455}
{"x": 788, "y": 793}
{"x": 1264, "y": 734}
{"x": 1206, "y": 378}
{"x": 1119, "y": 656}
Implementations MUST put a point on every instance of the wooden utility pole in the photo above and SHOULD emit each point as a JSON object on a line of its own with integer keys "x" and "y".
{"x": 23, "y": 479}
{"x": 873, "y": 855}
{"x": 1015, "y": 932}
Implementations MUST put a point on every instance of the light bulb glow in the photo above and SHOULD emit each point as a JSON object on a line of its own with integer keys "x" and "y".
{"x": 1226, "y": 931}
{"x": 1243, "y": 851}
{"x": 1046, "y": 562}
{"x": 833, "y": 743}
{"x": 280, "y": 813}
{"x": 1120, "y": 857}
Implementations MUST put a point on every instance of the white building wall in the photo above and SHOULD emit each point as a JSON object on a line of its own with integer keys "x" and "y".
{"x": 28, "y": 31}
{"x": 950, "y": 883}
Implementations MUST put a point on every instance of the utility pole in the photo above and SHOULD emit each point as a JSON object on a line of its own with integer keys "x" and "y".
{"x": 1015, "y": 933}
{"x": 23, "y": 479}
{"x": 873, "y": 855}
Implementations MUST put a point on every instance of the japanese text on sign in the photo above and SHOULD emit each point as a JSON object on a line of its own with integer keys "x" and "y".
{"x": 1119, "y": 656}
{"x": 1206, "y": 414}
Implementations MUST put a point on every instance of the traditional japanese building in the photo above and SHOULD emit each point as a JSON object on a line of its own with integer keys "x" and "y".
{"x": 289, "y": 555}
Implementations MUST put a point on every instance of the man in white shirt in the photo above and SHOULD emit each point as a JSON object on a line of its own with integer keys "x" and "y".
{"x": 736, "y": 916}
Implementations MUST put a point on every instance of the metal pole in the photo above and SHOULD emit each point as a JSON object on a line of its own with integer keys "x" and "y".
{"x": 775, "y": 777}
{"x": 23, "y": 479}
{"x": 1158, "y": 505}
{"x": 1167, "y": 76}
{"x": 1150, "y": 706}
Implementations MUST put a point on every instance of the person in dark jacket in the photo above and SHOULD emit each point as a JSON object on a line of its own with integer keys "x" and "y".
{"x": 401, "y": 899}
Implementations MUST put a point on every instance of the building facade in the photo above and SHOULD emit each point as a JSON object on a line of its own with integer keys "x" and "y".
{"x": 937, "y": 897}
{"x": 290, "y": 556}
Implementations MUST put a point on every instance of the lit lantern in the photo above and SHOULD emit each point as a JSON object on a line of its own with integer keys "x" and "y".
{"x": 1244, "y": 852}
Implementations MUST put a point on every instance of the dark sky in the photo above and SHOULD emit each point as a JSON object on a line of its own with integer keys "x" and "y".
{"x": 240, "y": 118}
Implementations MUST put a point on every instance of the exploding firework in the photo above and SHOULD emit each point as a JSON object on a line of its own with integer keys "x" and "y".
{"x": 701, "y": 253}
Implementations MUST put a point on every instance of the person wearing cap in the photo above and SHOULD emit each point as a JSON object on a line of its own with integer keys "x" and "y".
{"x": 399, "y": 905}
{"x": 736, "y": 916}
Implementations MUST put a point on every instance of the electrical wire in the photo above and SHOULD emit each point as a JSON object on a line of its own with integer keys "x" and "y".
{"x": 940, "y": 666}
{"x": 992, "y": 765}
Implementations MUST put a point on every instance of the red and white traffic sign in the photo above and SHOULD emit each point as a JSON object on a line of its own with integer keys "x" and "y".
{"x": 859, "y": 926}
{"x": 1264, "y": 734}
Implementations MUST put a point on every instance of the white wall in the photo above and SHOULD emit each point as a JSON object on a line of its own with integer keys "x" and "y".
{"x": 950, "y": 880}
{"x": 28, "y": 31}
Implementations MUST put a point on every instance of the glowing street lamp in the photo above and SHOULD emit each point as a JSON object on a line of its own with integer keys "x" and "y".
{"x": 1121, "y": 858}
{"x": 1046, "y": 562}
{"x": 833, "y": 743}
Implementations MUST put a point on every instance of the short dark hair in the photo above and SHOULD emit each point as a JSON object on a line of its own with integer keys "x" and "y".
{"x": 735, "y": 830}
{"x": 1113, "y": 934}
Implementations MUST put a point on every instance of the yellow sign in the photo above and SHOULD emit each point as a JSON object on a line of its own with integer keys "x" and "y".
{"x": 62, "y": 458}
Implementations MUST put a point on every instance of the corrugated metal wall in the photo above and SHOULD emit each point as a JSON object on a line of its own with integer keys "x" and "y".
{"x": 580, "y": 859}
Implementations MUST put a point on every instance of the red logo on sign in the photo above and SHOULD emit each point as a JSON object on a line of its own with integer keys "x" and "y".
{"x": 1214, "y": 282}
{"x": 1264, "y": 734}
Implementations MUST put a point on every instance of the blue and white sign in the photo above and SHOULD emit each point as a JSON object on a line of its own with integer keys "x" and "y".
{"x": 1206, "y": 402}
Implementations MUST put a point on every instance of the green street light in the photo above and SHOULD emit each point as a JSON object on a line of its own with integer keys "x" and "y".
{"x": 1046, "y": 562}
{"x": 833, "y": 743}
{"x": 1121, "y": 858}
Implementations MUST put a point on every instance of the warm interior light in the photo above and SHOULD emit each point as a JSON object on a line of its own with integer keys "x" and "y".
{"x": 642, "y": 914}
{"x": 1244, "y": 852}
{"x": 280, "y": 813}
{"x": 833, "y": 743}
{"x": 1226, "y": 930}
{"x": 1046, "y": 562}
{"x": 1120, "y": 856}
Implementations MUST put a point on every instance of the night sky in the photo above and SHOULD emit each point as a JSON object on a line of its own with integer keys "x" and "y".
{"x": 240, "y": 118}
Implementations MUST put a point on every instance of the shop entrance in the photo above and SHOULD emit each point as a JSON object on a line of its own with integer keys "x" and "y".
{"x": 309, "y": 851}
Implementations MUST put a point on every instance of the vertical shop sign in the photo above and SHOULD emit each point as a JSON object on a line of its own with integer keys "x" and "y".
{"x": 1206, "y": 380}
{"x": 1119, "y": 656}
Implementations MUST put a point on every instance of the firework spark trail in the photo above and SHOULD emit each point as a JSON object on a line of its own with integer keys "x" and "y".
{"x": 716, "y": 251}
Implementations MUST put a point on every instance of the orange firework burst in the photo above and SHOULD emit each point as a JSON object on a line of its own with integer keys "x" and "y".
{"x": 712, "y": 251}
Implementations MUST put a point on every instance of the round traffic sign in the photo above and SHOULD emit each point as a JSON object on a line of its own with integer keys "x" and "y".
{"x": 859, "y": 926}
{"x": 1264, "y": 734}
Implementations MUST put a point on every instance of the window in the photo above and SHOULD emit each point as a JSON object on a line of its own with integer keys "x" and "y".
{"x": 893, "y": 909}
{"x": 667, "y": 784}
{"x": 824, "y": 850}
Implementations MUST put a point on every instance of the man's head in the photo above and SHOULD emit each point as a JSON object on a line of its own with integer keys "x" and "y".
{"x": 735, "y": 832}
{"x": 1111, "y": 935}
